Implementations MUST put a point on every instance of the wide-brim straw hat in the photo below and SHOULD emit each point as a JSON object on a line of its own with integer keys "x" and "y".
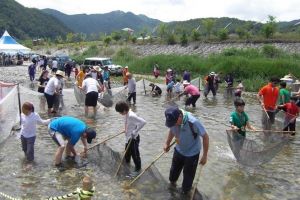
{"x": 60, "y": 73}
{"x": 97, "y": 68}
{"x": 287, "y": 78}
{"x": 185, "y": 82}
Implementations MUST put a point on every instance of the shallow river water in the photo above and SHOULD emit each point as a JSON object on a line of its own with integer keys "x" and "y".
{"x": 222, "y": 177}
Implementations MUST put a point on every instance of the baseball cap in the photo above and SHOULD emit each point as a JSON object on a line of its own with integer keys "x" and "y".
{"x": 171, "y": 115}
{"x": 90, "y": 135}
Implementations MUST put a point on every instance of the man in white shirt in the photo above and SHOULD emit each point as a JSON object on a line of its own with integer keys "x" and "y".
{"x": 131, "y": 88}
{"x": 52, "y": 90}
{"x": 54, "y": 65}
{"x": 91, "y": 88}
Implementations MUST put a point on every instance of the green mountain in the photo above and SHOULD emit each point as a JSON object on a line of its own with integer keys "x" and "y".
{"x": 231, "y": 24}
{"x": 105, "y": 23}
{"x": 22, "y": 22}
{"x": 218, "y": 23}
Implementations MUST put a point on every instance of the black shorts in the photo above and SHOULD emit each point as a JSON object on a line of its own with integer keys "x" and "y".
{"x": 50, "y": 100}
{"x": 91, "y": 99}
{"x": 298, "y": 102}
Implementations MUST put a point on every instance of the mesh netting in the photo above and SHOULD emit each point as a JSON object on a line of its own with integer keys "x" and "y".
{"x": 9, "y": 111}
{"x": 228, "y": 92}
{"x": 198, "y": 83}
{"x": 79, "y": 95}
{"x": 255, "y": 149}
{"x": 151, "y": 185}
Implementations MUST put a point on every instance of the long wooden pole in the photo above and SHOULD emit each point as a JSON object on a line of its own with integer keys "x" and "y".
{"x": 273, "y": 131}
{"x": 111, "y": 137}
{"x": 19, "y": 101}
{"x": 196, "y": 183}
{"x": 263, "y": 107}
{"x": 294, "y": 118}
{"x": 128, "y": 146}
{"x": 158, "y": 157}
{"x": 144, "y": 86}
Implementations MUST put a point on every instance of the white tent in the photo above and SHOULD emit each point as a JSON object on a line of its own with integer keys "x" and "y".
{"x": 9, "y": 45}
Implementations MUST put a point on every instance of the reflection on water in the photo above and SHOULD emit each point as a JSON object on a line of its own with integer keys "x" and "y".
{"x": 222, "y": 177}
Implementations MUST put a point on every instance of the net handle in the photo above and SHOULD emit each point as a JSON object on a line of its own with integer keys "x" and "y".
{"x": 126, "y": 150}
{"x": 158, "y": 157}
{"x": 19, "y": 102}
{"x": 110, "y": 137}
{"x": 196, "y": 183}
{"x": 262, "y": 131}
{"x": 263, "y": 107}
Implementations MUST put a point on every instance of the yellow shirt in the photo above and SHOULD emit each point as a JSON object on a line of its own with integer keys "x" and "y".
{"x": 80, "y": 78}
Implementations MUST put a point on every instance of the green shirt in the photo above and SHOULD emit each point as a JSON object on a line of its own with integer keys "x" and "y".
{"x": 284, "y": 92}
{"x": 239, "y": 120}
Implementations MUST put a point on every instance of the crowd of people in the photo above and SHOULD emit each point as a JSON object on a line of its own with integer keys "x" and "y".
{"x": 8, "y": 59}
{"x": 190, "y": 134}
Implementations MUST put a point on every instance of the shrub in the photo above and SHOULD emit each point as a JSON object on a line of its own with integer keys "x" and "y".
{"x": 270, "y": 51}
{"x": 107, "y": 40}
{"x": 171, "y": 39}
{"x": 183, "y": 39}
{"x": 223, "y": 34}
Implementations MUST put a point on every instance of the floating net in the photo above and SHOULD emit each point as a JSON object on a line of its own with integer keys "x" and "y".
{"x": 9, "y": 110}
{"x": 151, "y": 185}
{"x": 255, "y": 149}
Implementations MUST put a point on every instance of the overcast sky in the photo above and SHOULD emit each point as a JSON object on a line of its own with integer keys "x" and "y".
{"x": 178, "y": 10}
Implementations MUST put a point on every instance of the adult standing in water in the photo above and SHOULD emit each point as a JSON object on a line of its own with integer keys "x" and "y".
{"x": 66, "y": 131}
{"x": 106, "y": 80}
{"x": 187, "y": 131}
{"x": 43, "y": 80}
{"x": 52, "y": 90}
{"x": 125, "y": 77}
{"x": 169, "y": 76}
{"x": 268, "y": 96}
{"x": 91, "y": 88}
{"x": 186, "y": 76}
{"x": 210, "y": 84}
{"x": 191, "y": 90}
{"x": 156, "y": 71}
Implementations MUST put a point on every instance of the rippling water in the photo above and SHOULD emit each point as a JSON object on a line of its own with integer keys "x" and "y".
{"x": 221, "y": 178}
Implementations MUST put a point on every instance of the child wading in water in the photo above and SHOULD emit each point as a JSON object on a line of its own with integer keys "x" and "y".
{"x": 29, "y": 119}
{"x": 291, "y": 113}
{"x": 133, "y": 124}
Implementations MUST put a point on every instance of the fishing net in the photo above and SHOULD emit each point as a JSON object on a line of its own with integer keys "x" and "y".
{"x": 9, "y": 107}
{"x": 198, "y": 83}
{"x": 228, "y": 92}
{"x": 255, "y": 149}
{"x": 151, "y": 184}
{"x": 9, "y": 110}
{"x": 79, "y": 95}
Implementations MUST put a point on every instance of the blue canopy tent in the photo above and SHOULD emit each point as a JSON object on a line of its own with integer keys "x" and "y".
{"x": 10, "y": 46}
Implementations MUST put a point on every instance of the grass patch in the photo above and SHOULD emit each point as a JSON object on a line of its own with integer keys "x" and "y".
{"x": 254, "y": 67}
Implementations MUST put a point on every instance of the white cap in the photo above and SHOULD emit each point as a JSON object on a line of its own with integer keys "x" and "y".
{"x": 185, "y": 82}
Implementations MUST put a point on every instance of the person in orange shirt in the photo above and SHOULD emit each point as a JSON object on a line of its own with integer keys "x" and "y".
{"x": 80, "y": 77}
{"x": 125, "y": 77}
{"x": 268, "y": 96}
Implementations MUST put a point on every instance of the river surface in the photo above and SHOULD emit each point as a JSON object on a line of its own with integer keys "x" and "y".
{"x": 222, "y": 177}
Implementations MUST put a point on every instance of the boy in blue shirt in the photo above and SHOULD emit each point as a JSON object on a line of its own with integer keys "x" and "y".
{"x": 186, "y": 129}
